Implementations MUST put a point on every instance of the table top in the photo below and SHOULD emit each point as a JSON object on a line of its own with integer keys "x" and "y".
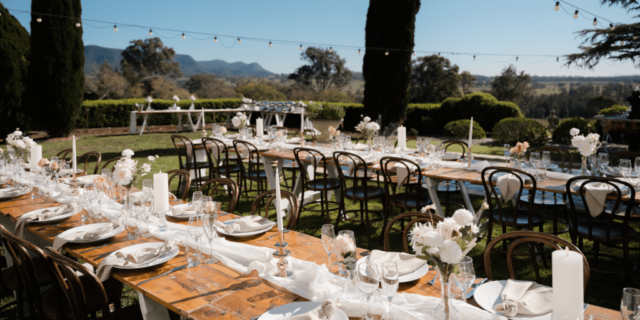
{"x": 191, "y": 111}
{"x": 210, "y": 291}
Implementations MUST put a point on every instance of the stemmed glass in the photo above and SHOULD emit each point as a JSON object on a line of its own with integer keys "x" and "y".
{"x": 195, "y": 229}
{"x": 593, "y": 161}
{"x": 368, "y": 277}
{"x": 534, "y": 158}
{"x": 506, "y": 150}
{"x": 546, "y": 160}
{"x": 147, "y": 188}
{"x": 625, "y": 167}
{"x": 196, "y": 201}
{"x": 132, "y": 224}
{"x": 604, "y": 162}
{"x": 390, "y": 281}
{"x": 630, "y": 303}
{"x": 328, "y": 236}
{"x": 464, "y": 276}
{"x": 210, "y": 217}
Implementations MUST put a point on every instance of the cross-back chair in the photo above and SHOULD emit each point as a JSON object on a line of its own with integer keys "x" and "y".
{"x": 251, "y": 170}
{"x": 315, "y": 175}
{"x": 409, "y": 195}
{"x": 222, "y": 162}
{"x": 186, "y": 151}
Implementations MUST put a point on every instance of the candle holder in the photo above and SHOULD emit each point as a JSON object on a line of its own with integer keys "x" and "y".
{"x": 74, "y": 186}
{"x": 281, "y": 254}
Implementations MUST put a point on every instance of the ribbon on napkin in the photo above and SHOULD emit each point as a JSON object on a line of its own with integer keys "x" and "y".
{"x": 62, "y": 239}
{"x": 326, "y": 311}
{"x": 43, "y": 215}
{"x": 184, "y": 211}
{"x": 525, "y": 298}
{"x": 139, "y": 257}
{"x": 246, "y": 224}
{"x": 407, "y": 263}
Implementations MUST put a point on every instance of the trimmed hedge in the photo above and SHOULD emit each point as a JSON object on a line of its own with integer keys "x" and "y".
{"x": 460, "y": 129}
{"x": 513, "y": 130}
{"x": 614, "y": 110}
{"x": 483, "y": 107}
{"x": 561, "y": 133}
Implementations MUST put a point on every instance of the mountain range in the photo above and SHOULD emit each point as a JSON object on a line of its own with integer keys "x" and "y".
{"x": 94, "y": 56}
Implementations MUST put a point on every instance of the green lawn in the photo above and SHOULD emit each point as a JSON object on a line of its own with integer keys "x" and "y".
{"x": 603, "y": 290}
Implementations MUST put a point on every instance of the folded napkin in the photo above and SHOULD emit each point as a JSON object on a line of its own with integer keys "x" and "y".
{"x": 525, "y": 298}
{"x": 360, "y": 146}
{"x": 595, "y": 195}
{"x": 407, "y": 263}
{"x": 559, "y": 175}
{"x": 326, "y": 311}
{"x": 401, "y": 170}
{"x": 479, "y": 166}
{"x": 294, "y": 140}
{"x": 139, "y": 257}
{"x": 62, "y": 239}
{"x": 509, "y": 185}
{"x": 246, "y": 224}
{"x": 232, "y": 136}
{"x": 43, "y": 215}
{"x": 13, "y": 191}
{"x": 184, "y": 211}
{"x": 612, "y": 171}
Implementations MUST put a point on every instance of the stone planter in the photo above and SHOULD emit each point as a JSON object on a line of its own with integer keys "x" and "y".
{"x": 323, "y": 125}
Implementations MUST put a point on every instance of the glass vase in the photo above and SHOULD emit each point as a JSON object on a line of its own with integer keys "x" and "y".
{"x": 369, "y": 146}
{"x": 445, "y": 309}
{"x": 583, "y": 170}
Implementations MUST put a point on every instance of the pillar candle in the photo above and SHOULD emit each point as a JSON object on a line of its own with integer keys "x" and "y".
{"x": 161, "y": 192}
{"x": 471, "y": 132}
{"x": 73, "y": 156}
{"x": 36, "y": 155}
{"x": 402, "y": 137}
{"x": 302, "y": 119}
{"x": 568, "y": 285}
{"x": 204, "y": 125}
{"x": 259, "y": 127}
{"x": 278, "y": 204}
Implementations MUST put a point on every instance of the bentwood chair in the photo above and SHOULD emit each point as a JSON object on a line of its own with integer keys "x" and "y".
{"x": 62, "y": 155}
{"x": 354, "y": 186}
{"x": 314, "y": 171}
{"x": 611, "y": 230}
{"x": 186, "y": 150}
{"x": 250, "y": 170}
{"x": 414, "y": 217}
{"x": 408, "y": 195}
{"x": 451, "y": 187}
{"x": 229, "y": 186}
{"x": 531, "y": 239}
{"x": 222, "y": 163}
{"x": 95, "y": 155}
{"x": 84, "y": 293}
{"x": 109, "y": 164}
{"x": 291, "y": 218}
{"x": 614, "y": 157}
{"x": 184, "y": 183}
{"x": 312, "y": 133}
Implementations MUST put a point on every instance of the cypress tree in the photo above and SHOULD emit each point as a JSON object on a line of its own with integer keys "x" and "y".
{"x": 391, "y": 25}
{"x": 14, "y": 63}
{"x": 56, "y": 84}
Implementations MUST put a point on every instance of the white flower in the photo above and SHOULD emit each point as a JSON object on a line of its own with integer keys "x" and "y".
{"x": 447, "y": 227}
{"x": 475, "y": 229}
{"x": 485, "y": 206}
{"x": 127, "y": 153}
{"x": 425, "y": 209}
{"x": 450, "y": 252}
{"x": 151, "y": 158}
{"x": 20, "y": 144}
{"x": 574, "y": 131}
{"x": 29, "y": 142}
{"x": 343, "y": 244}
{"x": 239, "y": 114}
{"x": 17, "y": 133}
{"x": 176, "y": 99}
{"x": 372, "y": 126}
{"x": 192, "y": 98}
{"x": 367, "y": 119}
{"x": 463, "y": 217}
{"x": 433, "y": 250}
{"x": 148, "y": 99}
{"x": 236, "y": 121}
{"x": 123, "y": 171}
{"x": 146, "y": 167}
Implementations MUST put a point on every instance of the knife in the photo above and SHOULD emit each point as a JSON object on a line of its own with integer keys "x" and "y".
{"x": 104, "y": 245}
{"x": 164, "y": 274}
{"x": 474, "y": 287}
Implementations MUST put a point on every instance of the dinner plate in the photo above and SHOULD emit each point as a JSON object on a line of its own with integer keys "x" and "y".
{"x": 297, "y": 308}
{"x": 13, "y": 192}
{"x": 57, "y": 218}
{"x": 90, "y": 227}
{"x": 160, "y": 260}
{"x": 413, "y": 276}
{"x": 242, "y": 234}
{"x": 451, "y": 156}
{"x": 84, "y": 180}
{"x": 488, "y": 295}
{"x": 186, "y": 217}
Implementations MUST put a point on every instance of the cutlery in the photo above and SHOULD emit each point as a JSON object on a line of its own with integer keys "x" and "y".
{"x": 105, "y": 254}
{"x": 474, "y": 287}
{"x": 433, "y": 281}
{"x": 164, "y": 274}
{"x": 104, "y": 245}
{"x": 285, "y": 231}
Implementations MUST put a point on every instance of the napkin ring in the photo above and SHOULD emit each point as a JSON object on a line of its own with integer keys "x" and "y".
{"x": 281, "y": 254}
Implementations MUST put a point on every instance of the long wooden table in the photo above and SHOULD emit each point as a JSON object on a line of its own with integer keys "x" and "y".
{"x": 207, "y": 291}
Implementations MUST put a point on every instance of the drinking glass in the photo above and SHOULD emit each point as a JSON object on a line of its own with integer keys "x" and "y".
{"x": 328, "y": 235}
{"x": 195, "y": 229}
{"x": 388, "y": 148}
{"x": 637, "y": 166}
{"x": 630, "y": 304}
{"x": 196, "y": 200}
{"x": 132, "y": 224}
{"x": 347, "y": 142}
{"x": 368, "y": 276}
{"x": 625, "y": 167}
{"x": 546, "y": 160}
{"x": 147, "y": 188}
{"x": 210, "y": 217}
{"x": 375, "y": 309}
{"x": 506, "y": 150}
{"x": 604, "y": 161}
{"x": 390, "y": 281}
{"x": 193, "y": 255}
{"x": 534, "y": 159}
{"x": 593, "y": 162}
{"x": 464, "y": 276}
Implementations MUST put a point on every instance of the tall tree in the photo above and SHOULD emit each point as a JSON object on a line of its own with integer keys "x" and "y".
{"x": 206, "y": 85}
{"x": 107, "y": 83}
{"x": 467, "y": 81}
{"x": 433, "y": 79}
{"x": 391, "y": 25}
{"x": 56, "y": 73}
{"x": 325, "y": 70}
{"x": 148, "y": 57}
{"x": 14, "y": 63}
{"x": 511, "y": 86}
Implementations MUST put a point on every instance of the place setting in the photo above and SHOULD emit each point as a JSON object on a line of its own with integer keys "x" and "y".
{"x": 138, "y": 256}
{"x": 246, "y": 226}
{"x": 90, "y": 233}
{"x": 48, "y": 215}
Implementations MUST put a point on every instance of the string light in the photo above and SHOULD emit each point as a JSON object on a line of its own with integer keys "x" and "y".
{"x": 150, "y": 32}
{"x": 330, "y": 50}
{"x": 183, "y": 35}
{"x": 115, "y": 28}
{"x": 269, "y": 44}
{"x": 215, "y": 39}
{"x": 635, "y": 37}
{"x": 575, "y": 15}
{"x": 611, "y": 27}
{"x": 516, "y": 59}
{"x": 358, "y": 51}
{"x": 557, "y": 59}
{"x": 595, "y": 21}
{"x": 557, "y": 6}
{"x": 39, "y": 19}
{"x": 78, "y": 24}
{"x": 439, "y": 55}
{"x": 300, "y": 46}
{"x": 474, "y": 57}
{"x": 239, "y": 41}
{"x": 386, "y": 53}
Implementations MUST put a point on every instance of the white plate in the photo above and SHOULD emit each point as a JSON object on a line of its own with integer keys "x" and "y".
{"x": 53, "y": 219}
{"x": 488, "y": 295}
{"x": 4, "y": 195}
{"x": 186, "y": 217}
{"x": 413, "y": 276}
{"x": 297, "y": 308}
{"x": 160, "y": 260}
{"x": 242, "y": 234}
{"x": 451, "y": 156}
{"x": 84, "y": 180}
{"x": 93, "y": 227}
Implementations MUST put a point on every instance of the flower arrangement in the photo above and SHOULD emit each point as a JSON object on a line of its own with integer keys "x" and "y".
{"x": 175, "y": 100}
{"x": 193, "y": 100}
{"x": 126, "y": 172}
{"x": 333, "y": 133}
{"x": 345, "y": 247}
{"x": 18, "y": 142}
{"x": 240, "y": 120}
{"x": 520, "y": 148}
{"x": 43, "y": 162}
{"x": 246, "y": 100}
{"x": 148, "y": 100}
{"x": 367, "y": 127}
{"x": 586, "y": 145}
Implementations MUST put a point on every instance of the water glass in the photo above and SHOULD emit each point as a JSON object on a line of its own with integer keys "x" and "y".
{"x": 210, "y": 218}
{"x": 546, "y": 160}
{"x": 390, "y": 281}
{"x": 368, "y": 280}
{"x": 625, "y": 167}
{"x": 193, "y": 254}
{"x": 195, "y": 229}
{"x": 534, "y": 159}
{"x": 630, "y": 304}
{"x": 147, "y": 188}
{"x": 347, "y": 142}
{"x": 350, "y": 291}
{"x": 593, "y": 162}
{"x": 196, "y": 200}
{"x": 637, "y": 166}
{"x": 506, "y": 150}
{"x": 604, "y": 161}
{"x": 131, "y": 224}
{"x": 464, "y": 276}
{"x": 328, "y": 235}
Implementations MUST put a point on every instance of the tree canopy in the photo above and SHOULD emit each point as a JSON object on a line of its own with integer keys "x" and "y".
{"x": 434, "y": 79}
{"x": 511, "y": 86}
{"x": 467, "y": 81}
{"x": 148, "y": 57}
{"x": 325, "y": 71}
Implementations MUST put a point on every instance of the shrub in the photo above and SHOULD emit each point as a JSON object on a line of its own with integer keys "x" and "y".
{"x": 613, "y": 110}
{"x": 561, "y": 133}
{"x": 325, "y": 111}
{"x": 460, "y": 129}
{"x": 483, "y": 107}
{"x": 513, "y": 130}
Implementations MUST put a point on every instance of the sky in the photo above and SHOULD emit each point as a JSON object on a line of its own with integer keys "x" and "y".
{"x": 519, "y": 27}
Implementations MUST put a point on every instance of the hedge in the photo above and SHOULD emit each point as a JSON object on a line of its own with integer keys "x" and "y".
{"x": 561, "y": 133}
{"x": 614, "y": 110}
{"x": 513, "y": 130}
{"x": 483, "y": 107}
{"x": 460, "y": 129}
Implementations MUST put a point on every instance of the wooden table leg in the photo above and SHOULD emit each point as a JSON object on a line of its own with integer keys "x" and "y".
{"x": 144, "y": 123}
{"x": 432, "y": 187}
{"x": 152, "y": 310}
{"x": 465, "y": 197}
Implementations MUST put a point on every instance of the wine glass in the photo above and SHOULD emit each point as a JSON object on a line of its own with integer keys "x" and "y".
{"x": 630, "y": 303}
{"x": 131, "y": 224}
{"x": 347, "y": 142}
{"x": 390, "y": 281}
{"x": 210, "y": 218}
{"x": 506, "y": 150}
{"x": 534, "y": 159}
{"x": 195, "y": 229}
{"x": 593, "y": 161}
{"x": 368, "y": 276}
{"x": 328, "y": 235}
{"x": 604, "y": 161}
{"x": 147, "y": 188}
{"x": 196, "y": 200}
{"x": 546, "y": 160}
{"x": 464, "y": 276}
{"x": 625, "y": 167}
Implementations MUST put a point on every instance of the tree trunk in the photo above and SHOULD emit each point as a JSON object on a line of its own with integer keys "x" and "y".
{"x": 390, "y": 25}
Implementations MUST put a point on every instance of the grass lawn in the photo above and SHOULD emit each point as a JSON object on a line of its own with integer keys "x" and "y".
{"x": 603, "y": 290}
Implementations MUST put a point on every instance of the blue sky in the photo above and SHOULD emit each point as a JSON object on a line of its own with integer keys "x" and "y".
{"x": 478, "y": 26}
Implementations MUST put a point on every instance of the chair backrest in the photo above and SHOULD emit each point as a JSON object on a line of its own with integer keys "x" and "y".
{"x": 452, "y": 143}
{"x": 566, "y": 159}
{"x": 580, "y": 184}
{"x": 184, "y": 182}
{"x": 354, "y": 177}
{"x": 490, "y": 177}
{"x": 310, "y": 158}
{"x": 62, "y": 155}
{"x": 217, "y": 155}
{"x": 415, "y": 216}
{"x": 97, "y": 156}
{"x": 66, "y": 272}
{"x": 312, "y": 133}
{"x": 229, "y": 186}
{"x": 253, "y": 155}
{"x": 182, "y": 145}
{"x": 291, "y": 219}
{"x": 109, "y": 164}
{"x": 21, "y": 252}
{"x": 389, "y": 167}
{"x": 518, "y": 238}
{"x": 614, "y": 157}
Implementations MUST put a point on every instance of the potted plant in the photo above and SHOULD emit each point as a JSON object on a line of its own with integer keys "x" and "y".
{"x": 324, "y": 116}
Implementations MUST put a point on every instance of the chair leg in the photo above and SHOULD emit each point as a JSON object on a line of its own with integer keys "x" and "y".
{"x": 366, "y": 214}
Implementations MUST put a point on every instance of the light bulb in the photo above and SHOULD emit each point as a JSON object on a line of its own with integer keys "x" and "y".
{"x": 474, "y": 57}
{"x": 301, "y": 47}
{"x": 611, "y": 26}
{"x": 414, "y": 53}
{"x": 269, "y": 44}
{"x": 115, "y": 28}
{"x": 635, "y": 37}
{"x": 150, "y": 32}
{"x": 622, "y": 43}
{"x": 330, "y": 49}
{"x": 557, "y": 6}
{"x": 358, "y": 51}
{"x": 78, "y": 24}
{"x": 557, "y": 59}
{"x": 439, "y": 55}
{"x": 595, "y": 21}
{"x": 575, "y": 15}
{"x": 183, "y": 35}
{"x": 239, "y": 41}
{"x": 386, "y": 53}
{"x": 39, "y": 20}
{"x": 215, "y": 39}
{"x": 516, "y": 59}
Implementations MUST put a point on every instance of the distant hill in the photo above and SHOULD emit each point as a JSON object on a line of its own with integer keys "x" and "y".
{"x": 94, "y": 56}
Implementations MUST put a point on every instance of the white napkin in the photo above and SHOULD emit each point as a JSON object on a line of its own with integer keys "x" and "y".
{"x": 184, "y": 211}
{"x": 294, "y": 140}
{"x": 612, "y": 171}
{"x": 46, "y": 214}
{"x": 401, "y": 170}
{"x": 139, "y": 257}
{"x": 407, "y": 263}
{"x": 525, "y": 298}
{"x": 246, "y": 224}
{"x": 509, "y": 185}
{"x": 479, "y": 166}
{"x": 559, "y": 175}
{"x": 326, "y": 311}
{"x": 360, "y": 147}
{"x": 13, "y": 191}
{"x": 595, "y": 195}
{"x": 62, "y": 239}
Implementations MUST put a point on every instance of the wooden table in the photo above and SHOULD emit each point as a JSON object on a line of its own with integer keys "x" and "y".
{"x": 133, "y": 125}
{"x": 207, "y": 291}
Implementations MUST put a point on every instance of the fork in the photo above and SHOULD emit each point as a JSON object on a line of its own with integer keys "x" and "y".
{"x": 433, "y": 281}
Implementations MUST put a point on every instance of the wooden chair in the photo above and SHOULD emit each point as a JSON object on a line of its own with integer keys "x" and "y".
{"x": 222, "y": 163}
{"x": 530, "y": 238}
{"x": 85, "y": 293}
{"x": 187, "y": 158}
{"x": 414, "y": 217}
{"x": 184, "y": 182}
{"x": 109, "y": 164}
{"x": 62, "y": 155}
{"x": 410, "y": 195}
{"x": 310, "y": 164}
{"x": 292, "y": 213}
{"x": 231, "y": 188}
{"x": 252, "y": 172}
{"x": 612, "y": 230}
{"x": 566, "y": 158}
{"x": 614, "y": 157}
{"x": 451, "y": 187}
{"x": 312, "y": 133}
{"x": 87, "y": 157}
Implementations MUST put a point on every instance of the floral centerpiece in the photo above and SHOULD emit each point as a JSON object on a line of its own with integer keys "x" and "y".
{"x": 193, "y": 100}
{"x": 126, "y": 172}
{"x": 19, "y": 143}
{"x": 518, "y": 152}
{"x": 239, "y": 121}
{"x": 333, "y": 134}
{"x": 344, "y": 247}
{"x": 148, "y": 100}
{"x": 368, "y": 128}
{"x": 587, "y": 145}
{"x": 175, "y": 101}
{"x": 445, "y": 245}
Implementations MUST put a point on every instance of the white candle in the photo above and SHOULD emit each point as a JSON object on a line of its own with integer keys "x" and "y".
{"x": 36, "y": 155}
{"x": 302, "y": 121}
{"x": 278, "y": 208}
{"x": 471, "y": 132}
{"x": 161, "y": 192}
{"x": 402, "y": 137}
{"x": 73, "y": 156}
{"x": 204, "y": 125}
{"x": 259, "y": 127}
{"x": 568, "y": 285}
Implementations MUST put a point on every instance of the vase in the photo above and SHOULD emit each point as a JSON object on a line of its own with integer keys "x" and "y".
{"x": 445, "y": 309}
{"x": 348, "y": 263}
{"x": 369, "y": 146}
{"x": 583, "y": 169}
